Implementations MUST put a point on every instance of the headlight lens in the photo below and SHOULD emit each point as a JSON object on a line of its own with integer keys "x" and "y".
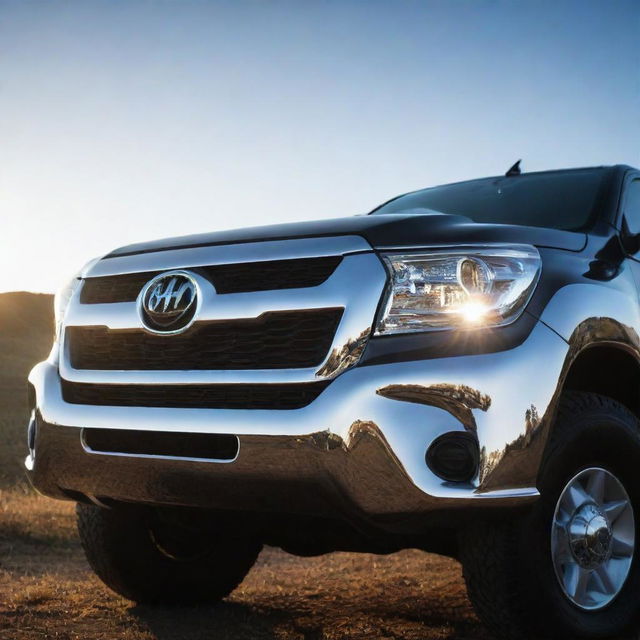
{"x": 65, "y": 293}
{"x": 61, "y": 301}
{"x": 447, "y": 289}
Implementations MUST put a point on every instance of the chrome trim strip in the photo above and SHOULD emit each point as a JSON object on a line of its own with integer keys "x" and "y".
{"x": 214, "y": 376}
{"x": 523, "y": 493}
{"x": 356, "y": 286}
{"x": 230, "y": 254}
{"x": 119, "y": 454}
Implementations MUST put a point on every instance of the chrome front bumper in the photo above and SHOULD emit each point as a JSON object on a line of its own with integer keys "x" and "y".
{"x": 358, "y": 448}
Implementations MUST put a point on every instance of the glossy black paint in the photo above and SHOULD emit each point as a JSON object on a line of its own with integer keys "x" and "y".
{"x": 569, "y": 199}
{"x": 401, "y": 230}
{"x": 396, "y": 230}
{"x": 596, "y": 255}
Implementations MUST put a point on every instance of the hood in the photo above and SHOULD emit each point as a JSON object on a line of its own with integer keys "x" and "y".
{"x": 381, "y": 231}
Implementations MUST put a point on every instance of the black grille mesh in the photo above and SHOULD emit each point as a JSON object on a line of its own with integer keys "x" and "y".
{"x": 226, "y": 278}
{"x": 275, "y": 340}
{"x": 202, "y": 396}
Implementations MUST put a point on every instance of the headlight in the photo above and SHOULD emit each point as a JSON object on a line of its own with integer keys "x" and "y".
{"x": 448, "y": 289}
{"x": 64, "y": 295}
{"x": 61, "y": 301}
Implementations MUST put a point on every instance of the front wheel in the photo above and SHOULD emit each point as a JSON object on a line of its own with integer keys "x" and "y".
{"x": 593, "y": 538}
{"x": 154, "y": 561}
{"x": 567, "y": 569}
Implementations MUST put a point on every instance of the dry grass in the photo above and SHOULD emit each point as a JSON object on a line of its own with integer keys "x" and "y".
{"x": 48, "y": 591}
{"x": 26, "y": 333}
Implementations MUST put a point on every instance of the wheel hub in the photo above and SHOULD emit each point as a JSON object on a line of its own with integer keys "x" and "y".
{"x": 593, "y": 538}
{"x": 590, "y": 536}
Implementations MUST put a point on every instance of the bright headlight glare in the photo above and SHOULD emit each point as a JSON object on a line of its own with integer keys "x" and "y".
{"x": 448, "y": 289}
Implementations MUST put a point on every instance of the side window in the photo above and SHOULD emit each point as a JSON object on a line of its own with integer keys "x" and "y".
{"x": 632, "y": 206}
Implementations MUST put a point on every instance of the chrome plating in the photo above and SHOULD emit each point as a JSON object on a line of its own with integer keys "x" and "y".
{"x": 229, "y": 254}
{"x": 359, "y": 471}
{"x": 355, "y": 286}
{"x": 458, "y": 400}
{"x": 488, "y": 387}
{"x": 166, "y": 298}
{"x": 593, "y": 538}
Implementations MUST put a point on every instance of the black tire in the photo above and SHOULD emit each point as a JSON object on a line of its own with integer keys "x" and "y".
{"x": 151, "y": 561}
{"x": 507, "y": 562}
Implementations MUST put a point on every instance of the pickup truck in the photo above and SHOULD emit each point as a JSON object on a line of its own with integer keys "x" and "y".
{"x": 457, "y": 371}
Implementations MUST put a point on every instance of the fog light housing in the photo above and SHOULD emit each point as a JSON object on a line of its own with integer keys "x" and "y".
{"x": 454, "y": 456}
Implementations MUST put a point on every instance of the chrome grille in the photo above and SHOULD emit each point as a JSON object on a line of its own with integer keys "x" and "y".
{"x": 306, "y": 318}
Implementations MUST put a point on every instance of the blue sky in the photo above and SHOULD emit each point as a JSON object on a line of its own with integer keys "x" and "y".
{"x": 124, "y": 121}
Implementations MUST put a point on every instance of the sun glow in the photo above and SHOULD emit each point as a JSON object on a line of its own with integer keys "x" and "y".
{"x": 473, "y": 312}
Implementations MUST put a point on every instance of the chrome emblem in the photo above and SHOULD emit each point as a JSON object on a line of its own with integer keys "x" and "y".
{"x": 169, "y": 302}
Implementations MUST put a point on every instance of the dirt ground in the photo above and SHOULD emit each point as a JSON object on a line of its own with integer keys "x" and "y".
{"x": 48, "y": 591}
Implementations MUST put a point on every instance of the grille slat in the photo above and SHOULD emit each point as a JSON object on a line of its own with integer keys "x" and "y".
{"x": 202, "y": 396}
{"x": 226, "y": 278}
{"x": 275, "y": 340}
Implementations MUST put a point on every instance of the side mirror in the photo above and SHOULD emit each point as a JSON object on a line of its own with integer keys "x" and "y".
{"x": 630, "y": 241}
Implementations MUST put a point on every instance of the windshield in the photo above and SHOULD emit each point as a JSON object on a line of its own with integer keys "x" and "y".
{"x": 558, "y": 200}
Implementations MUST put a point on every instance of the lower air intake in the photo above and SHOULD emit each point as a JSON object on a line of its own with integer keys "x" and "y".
{"x": 163, "y": 444}
{"x": 194, "y": 396}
